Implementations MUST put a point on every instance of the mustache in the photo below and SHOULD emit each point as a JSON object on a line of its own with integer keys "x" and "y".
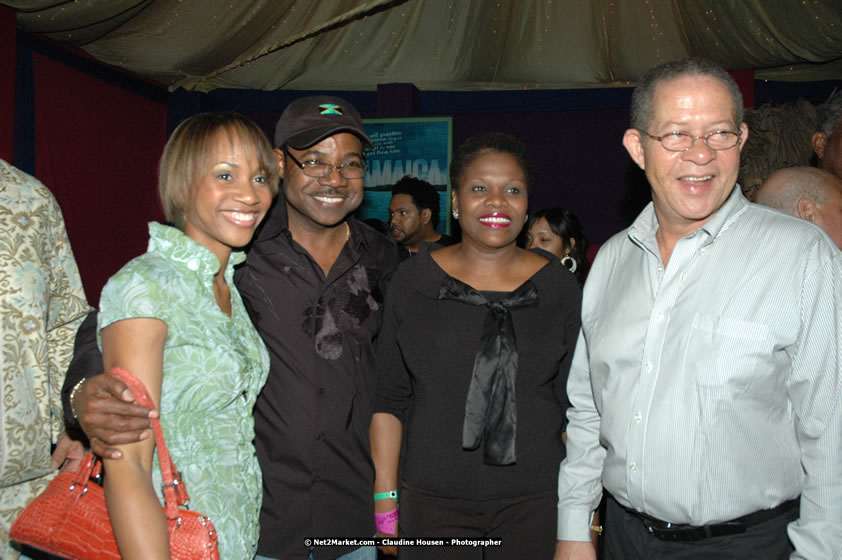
{"x": 329, "y": 192}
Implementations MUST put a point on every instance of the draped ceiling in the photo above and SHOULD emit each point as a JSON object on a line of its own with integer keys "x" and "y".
{"x": 439, "y": 44}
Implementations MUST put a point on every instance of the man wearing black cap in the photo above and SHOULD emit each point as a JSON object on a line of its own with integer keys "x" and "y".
{"x": 314, "y": 283}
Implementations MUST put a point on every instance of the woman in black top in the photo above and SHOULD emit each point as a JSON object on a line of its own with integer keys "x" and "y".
{"x": 473, "y": 359}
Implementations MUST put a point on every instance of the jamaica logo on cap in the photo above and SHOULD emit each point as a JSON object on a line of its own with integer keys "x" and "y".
{"x": 330, "y": 109}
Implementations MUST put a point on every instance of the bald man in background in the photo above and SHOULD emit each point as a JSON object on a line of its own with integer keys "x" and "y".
{"x": 808, "y": 193}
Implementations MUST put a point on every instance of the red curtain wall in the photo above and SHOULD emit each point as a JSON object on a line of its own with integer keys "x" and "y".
{"x": 7, "y": 84}
{"x": 97, "y": 149}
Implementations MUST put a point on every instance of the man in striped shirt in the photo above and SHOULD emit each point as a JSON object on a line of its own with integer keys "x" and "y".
{"x": 705, "y": 386}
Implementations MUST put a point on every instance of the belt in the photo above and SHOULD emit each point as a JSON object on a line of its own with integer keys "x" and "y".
{"x": 679, "y": 532}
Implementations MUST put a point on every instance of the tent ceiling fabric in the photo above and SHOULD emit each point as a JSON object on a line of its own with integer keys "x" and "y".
{"x": 439, "y": 44}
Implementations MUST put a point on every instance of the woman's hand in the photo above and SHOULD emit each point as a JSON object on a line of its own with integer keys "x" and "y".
{"x": 385, "y": 434}
{"x": 574, "y": 550}
{"x": 385, "y": 506}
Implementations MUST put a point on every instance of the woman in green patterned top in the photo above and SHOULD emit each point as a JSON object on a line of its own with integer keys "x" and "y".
{"x": 174, "y": 318}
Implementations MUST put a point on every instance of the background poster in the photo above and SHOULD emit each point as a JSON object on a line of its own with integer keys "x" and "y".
{"x": 410, "y": 146}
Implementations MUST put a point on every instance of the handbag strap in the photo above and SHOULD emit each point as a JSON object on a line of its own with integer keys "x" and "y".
{"x": 175, "y": 492}
{"x": 90, "y": 467}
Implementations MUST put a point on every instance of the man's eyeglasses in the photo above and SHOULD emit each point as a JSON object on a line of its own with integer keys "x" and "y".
{"x": 315, "y": 168}
{"x": 681, "y": 141}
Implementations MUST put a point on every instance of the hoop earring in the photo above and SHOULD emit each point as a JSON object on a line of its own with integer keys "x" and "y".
{"x": 569, "y": 262}
{"x": 455, "y": 215}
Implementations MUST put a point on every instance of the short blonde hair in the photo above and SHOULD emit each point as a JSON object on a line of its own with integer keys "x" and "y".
{"x": 188, "y": 151}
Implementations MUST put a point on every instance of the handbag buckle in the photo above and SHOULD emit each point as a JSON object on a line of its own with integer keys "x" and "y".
{"x": 73, "y": 487}
{"x": 180, "y": 489}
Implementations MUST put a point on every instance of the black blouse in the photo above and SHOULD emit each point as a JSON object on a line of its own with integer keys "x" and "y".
{"x": 425, "y": 359}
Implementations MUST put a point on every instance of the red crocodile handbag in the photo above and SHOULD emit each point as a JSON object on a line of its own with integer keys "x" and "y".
{"x": 69, "y": 519}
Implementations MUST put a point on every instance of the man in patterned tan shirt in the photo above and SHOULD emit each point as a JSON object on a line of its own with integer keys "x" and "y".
{"x": 42, "y": 304}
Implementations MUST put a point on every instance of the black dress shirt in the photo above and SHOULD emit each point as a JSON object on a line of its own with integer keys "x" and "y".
{"x": 313, "y": 415}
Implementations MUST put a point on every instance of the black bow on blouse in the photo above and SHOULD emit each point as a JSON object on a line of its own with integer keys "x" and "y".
{"x": 491, "y": 407}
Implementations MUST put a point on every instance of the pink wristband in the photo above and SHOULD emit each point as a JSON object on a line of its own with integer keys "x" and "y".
{"x": 386, "y": 523}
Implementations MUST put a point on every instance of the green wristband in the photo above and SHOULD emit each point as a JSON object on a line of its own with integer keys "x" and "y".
{"x": 393, "y": 494}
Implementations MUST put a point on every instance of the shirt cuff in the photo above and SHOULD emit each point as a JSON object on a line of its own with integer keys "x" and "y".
{"x": 574, "y": 525}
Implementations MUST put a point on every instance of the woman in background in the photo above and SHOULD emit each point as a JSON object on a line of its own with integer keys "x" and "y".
{"x": 174, "y": 319}
{"x": 558, "y": 231}
{"x": 473, "y": 358}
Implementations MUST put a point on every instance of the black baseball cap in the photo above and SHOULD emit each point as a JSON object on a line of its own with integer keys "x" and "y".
{"x": 309, "y": 120}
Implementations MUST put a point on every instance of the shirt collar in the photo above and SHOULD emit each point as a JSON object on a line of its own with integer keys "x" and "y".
{"x": 643, "y": 229}
{"x": 735, "y": 205}
{"x": 276, "y": 220}
{"x": 427, "y": 276}
{"x": 175, "y": 245}
{"x": 358, "y": 241}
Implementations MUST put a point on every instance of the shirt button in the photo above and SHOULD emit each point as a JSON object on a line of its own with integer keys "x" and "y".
{"x": 649, "y": 366}
{"x": 660, "y": 268}
{"x": 321, "y": 436}
{"x": 638, "y": 417}
{"x": 659, "y": 316}
{"x": 193, "y": 264}
{"x": 633, "y": 467}
{"x": 321, "y": 390}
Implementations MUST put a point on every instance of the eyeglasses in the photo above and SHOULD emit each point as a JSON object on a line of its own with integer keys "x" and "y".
{"x": 315, "y": 168}
{"x": 681, "y": 141}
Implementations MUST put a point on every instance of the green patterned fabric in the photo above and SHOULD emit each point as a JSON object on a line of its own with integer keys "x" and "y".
{"x": 42, "y": 304}
{"x": 214, "y": 367}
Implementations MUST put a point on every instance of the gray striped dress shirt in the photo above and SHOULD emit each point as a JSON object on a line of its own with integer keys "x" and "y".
{"x": 711, "y": 388}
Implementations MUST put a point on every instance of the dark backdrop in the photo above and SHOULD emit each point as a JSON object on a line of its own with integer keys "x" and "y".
{"x": 93, "y": 134}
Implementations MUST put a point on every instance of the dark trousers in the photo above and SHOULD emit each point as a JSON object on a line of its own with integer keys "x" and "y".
{"x": 526, "y": 525}
{"x": 627, "y": 539}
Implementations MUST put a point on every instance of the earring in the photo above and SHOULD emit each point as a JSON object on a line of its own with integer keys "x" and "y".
{"x": 455, "y": 215}
{"x": 525, "y": 218}
{"x": 569, "y": 262}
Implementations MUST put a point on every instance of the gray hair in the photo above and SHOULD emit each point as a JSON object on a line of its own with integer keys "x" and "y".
{"x": 831, "y": 113}
{"x": 785, "y": 187}
{"x": 642, "y": 111}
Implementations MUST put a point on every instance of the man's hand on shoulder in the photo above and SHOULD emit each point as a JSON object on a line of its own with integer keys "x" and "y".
{"x": 107, "y": 412}
{"x": 574, "y": 550}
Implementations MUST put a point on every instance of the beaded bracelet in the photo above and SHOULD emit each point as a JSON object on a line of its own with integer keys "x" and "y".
{"x": 73, "y": 394}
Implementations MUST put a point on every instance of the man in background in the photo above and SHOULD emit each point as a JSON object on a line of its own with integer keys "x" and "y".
{"x": 42, "y": 304}
{"x": 414, "y": 215}
{"x": 827, "y": 140}
{"x": 808, "y": 193}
